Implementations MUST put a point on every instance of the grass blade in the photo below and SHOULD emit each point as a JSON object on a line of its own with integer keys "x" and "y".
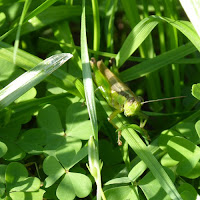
{"x": 16, "y": 45}
{"x": 186, "y": 28}
{"x": 87, "y": 76}
{"x": 39, "y": 9}
{"x": 27, "y": 61}
{"x": 143, "y": 29}
{"x": 94, "y": 163}
{"x": 30, "y": 78}
{"x": 135, "y": 38}
{"x": 156, "y": 63}
{"x": 143, "y": 152}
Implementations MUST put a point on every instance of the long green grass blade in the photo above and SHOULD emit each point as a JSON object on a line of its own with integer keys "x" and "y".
{"x": 131, "y": 10}
{"x": 30, "y": 78}
{"x": 186, "y": 28}
{"x": 156, "y": 63}
{"x": 20, "y": 110}
{"x": 135, "y": 38}
{"x": 16, "y": 45}
{"x": 94, "y": 163}
{"x": 39, "y": 9}
{"x": 164, "y": 59}
{"x": 27, "y": 61}
{"x": 87, "y": 76}
{"x": 143, "y": 152}
{"x": 144, "y": 28}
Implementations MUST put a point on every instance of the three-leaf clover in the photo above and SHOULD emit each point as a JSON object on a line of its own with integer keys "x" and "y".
{"x": 72, "y": 184}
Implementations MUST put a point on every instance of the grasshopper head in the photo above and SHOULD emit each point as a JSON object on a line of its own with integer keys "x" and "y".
{"x": 132, "y": 107}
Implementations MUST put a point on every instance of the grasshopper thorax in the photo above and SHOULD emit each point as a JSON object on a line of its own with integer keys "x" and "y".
{"x": 132, "y": 106}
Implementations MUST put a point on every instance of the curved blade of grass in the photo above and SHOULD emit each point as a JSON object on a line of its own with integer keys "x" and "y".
{"x": 157, "y": 62}
{"x": 192, "y": 8}
{"x": 16, "y": 45}
{"x": 164, "y": 59}
{"x": 27, "y": 61}
{"x": 93, "y": 156}
{"x": 135, "y": 38}
{"x": 186, "y": 28}
{"x": 39, "y": 9}
{"x": 141, "y": 31}
{"x": 30, "y": 78}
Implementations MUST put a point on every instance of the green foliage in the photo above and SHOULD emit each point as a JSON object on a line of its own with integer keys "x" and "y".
{"x": 16, "y": 184}
{"x": 55, "y": 140}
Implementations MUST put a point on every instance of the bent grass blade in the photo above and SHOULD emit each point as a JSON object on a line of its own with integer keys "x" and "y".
{"x": 30, "y": 78}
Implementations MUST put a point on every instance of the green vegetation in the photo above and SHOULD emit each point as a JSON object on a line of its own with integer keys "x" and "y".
{"x": 56, "y": 142}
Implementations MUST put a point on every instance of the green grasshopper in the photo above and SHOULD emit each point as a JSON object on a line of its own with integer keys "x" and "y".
{"x": 117, "y": 94}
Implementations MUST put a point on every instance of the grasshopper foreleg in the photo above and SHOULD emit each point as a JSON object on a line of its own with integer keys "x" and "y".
{"x": 110, "y": 118}
{"x": 143, "y": 119}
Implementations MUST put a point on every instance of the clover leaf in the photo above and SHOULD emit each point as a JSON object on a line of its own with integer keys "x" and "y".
{"x": 16, "y": 184}
{"x": 9, "y": 136}
{"x": 38, "y": 195}
{"x": 184, "y": 151}
{"x": 17, "y": 179}
{"x": 33, "y": 140}
{"x": 72, "y": 184}
{"x": 77, "y": 126}
{"x": 77, "y": 123}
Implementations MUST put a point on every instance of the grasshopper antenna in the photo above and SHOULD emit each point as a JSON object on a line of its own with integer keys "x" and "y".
{"x": 164, "y": 99}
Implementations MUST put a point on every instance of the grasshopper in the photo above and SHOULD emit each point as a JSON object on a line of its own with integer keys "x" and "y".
{"x": 120, "y": 96}
{"x": 117, "y": 94}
